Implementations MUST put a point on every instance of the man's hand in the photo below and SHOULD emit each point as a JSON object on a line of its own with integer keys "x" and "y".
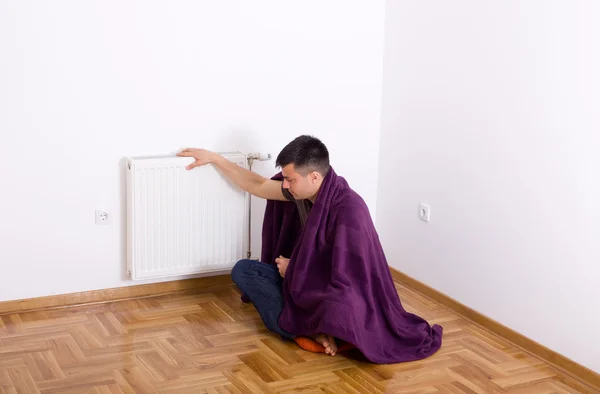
{"x": 250, "y": 181}
{"x": 202, "y": 156}
{"x": 282, "y": 264}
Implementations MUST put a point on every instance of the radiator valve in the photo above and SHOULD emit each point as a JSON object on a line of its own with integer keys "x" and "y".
{"x": 259, "y": 156}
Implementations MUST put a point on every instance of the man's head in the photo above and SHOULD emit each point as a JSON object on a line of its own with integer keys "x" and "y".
{"x": 304, "y": 164}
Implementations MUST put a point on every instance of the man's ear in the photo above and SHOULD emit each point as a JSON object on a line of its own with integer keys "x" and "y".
{"x": 313, "y": 176}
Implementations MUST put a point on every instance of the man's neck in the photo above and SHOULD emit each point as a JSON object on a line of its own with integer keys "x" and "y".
{"x": 313, "y": 198}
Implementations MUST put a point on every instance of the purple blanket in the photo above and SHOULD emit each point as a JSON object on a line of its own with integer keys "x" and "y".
{"x": 338, "y": 281}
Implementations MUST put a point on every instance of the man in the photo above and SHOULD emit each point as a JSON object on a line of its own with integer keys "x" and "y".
{"x": 323, "y": 273}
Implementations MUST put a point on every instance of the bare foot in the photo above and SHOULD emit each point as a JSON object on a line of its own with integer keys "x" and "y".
{"x": 328, "y": 342}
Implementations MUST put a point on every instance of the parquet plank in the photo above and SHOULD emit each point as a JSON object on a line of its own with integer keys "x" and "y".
{"x": 193, "y": 383}
{"x": 22, "y": 380}
{"x": 307, "y": 380}
{"x": 340, "y": 388}
{"x": 6, "y": 384}
{"x": 12, "y": 323}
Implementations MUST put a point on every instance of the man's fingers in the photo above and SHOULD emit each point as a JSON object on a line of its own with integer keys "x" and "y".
{"x": 280, "y": 260}
{"x": 194, "y": 165}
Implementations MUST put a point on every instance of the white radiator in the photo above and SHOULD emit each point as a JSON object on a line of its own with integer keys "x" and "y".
{"x": 183, "y": 222}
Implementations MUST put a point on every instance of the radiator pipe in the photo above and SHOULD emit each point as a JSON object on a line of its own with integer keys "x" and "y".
{"x": 251, "y": 157}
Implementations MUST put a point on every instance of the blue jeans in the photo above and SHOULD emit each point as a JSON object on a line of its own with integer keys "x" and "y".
{"x": 261, "y": 282}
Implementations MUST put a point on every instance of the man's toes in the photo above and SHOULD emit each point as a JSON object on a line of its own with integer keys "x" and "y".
{"x": 328, "y": 342}
{"x": 332, "y": 345}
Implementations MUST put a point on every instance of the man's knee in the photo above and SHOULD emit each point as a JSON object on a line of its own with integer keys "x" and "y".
{"x": 240, "y": 270}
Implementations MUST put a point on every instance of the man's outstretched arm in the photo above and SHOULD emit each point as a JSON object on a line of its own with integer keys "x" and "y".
{"x": 251, "y": 182}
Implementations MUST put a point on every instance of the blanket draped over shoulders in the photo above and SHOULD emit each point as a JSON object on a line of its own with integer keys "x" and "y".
{"x": 338, "y": 281}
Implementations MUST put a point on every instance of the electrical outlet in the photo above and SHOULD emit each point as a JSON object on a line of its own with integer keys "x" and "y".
{"x": 424, "y": 212}
{"x": 102, "y": 217}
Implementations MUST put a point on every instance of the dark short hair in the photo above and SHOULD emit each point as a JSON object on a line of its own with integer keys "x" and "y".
{"x": 307, "y": 154}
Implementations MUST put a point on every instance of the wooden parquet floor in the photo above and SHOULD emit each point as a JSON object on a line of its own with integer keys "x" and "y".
{"x": 209, "y": 342}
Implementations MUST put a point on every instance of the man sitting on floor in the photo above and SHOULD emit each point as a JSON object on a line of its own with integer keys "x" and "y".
{"x": 323, "y": 273}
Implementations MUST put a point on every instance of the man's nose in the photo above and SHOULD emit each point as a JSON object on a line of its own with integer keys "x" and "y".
{"x": 286, "y": 184}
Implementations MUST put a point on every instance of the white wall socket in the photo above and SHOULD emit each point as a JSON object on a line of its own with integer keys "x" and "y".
{"x": 424, "y": 211}
{"x": 102, "y": 217}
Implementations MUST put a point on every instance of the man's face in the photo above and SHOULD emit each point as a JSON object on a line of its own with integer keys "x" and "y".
{"x": 301, "y": 186}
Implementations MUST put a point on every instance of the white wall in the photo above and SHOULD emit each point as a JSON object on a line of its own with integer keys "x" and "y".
{"x": 84, "y": 84}
{"x": 491, "y": 115}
